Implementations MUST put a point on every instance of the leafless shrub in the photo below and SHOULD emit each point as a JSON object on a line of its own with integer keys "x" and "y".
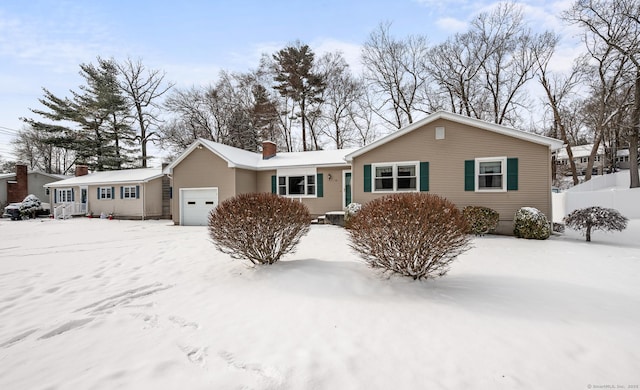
{"x": 596, "y": 218}
{"x": 258, "y": 227}
{"x": 413, "y": 234}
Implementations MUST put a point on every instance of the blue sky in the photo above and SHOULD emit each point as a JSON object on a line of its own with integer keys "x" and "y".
{"x": 42, "y": 42}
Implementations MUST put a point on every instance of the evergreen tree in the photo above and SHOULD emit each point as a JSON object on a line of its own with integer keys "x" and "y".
{"x": 295, "y": 79}
{"x": 92, "y": 123}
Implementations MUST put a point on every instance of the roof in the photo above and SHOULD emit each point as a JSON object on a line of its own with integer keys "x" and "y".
{"x": 239, "y": 158}
{"x": 552, "y": 143}
{"x": 140, "y": 175}
{"x": 580, "y": 151}
{"x": 51, "y": 175}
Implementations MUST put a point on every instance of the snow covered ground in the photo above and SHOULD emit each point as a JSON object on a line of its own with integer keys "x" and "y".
{"x": 99, "y": 304}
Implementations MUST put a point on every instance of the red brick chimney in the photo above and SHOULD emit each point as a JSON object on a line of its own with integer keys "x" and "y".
{"x": 268, "y": 150}
{"x": 82, "y": 170}
{"x": 19, "y": 189}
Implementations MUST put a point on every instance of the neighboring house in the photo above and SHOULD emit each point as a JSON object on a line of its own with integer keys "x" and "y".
{"x": 622, "y": 159}
{"x": 207, "y": 173}
{"x": 127, "y": 194}
{"x": 581, "y": 155}
{"x": 14, "y": 187}
{"x": 467, "y": 161}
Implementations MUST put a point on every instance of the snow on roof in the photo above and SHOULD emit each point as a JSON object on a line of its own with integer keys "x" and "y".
{"x": 309, "y": 158}
{"x": 7, "y": 175}
{"x": 139, "y": 175}
{"x": 579, "y": 151}
{"x": 552, "y": 143}
{"x": 239, "y": 158}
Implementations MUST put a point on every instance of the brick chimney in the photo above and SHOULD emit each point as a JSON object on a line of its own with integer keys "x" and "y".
{"x": 82, "y": 170}
{"x": 19, "y": 189}
{"x": 268, "y": 150}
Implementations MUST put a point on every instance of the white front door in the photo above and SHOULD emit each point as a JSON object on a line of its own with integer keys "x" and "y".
{"x": 196, "y": 204}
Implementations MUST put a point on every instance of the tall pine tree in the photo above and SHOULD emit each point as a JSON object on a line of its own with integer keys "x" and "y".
{"x": 92, "y": 122}
{"x": 295, "y": 79}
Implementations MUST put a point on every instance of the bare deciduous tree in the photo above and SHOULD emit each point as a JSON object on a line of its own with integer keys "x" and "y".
{"x": 617, "y": 24}
{"x": 559, "y": 91}
{"x": 395, "y": 71}
{"x": 143, "y": 87}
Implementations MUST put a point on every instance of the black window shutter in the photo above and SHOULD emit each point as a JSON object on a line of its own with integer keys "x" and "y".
{"x": 274, "y": 184}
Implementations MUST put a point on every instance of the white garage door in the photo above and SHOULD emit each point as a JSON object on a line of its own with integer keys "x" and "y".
{"x": 196, "y": 204}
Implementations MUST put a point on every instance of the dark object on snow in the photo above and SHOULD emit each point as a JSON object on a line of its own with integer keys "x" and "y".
{"x": 596, "y": 218}
{"x": 12, "y": 211}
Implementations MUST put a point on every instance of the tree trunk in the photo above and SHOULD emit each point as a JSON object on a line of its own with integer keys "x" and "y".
{"x": 588, "y": 233}
{"x": 635, "y": 133}
{"x": 304, "y": 129}
{"x": 592, "y": 156}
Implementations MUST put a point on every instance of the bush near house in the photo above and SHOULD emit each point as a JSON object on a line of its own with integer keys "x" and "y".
{"x": 413, "y": 234}
{"x": 595, "y": 217}
{"x": 531, "y": 223}
{"x": 350, "y": 211}
{"x": 481, "y": 220}
{"x": 30, "y": 206}
{"x": 258, "y": 227}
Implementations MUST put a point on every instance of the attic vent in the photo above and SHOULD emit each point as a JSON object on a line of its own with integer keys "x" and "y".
{"x": 439, "y": 132}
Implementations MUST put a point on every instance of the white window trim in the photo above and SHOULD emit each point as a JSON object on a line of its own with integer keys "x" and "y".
{"x": 59, "y": 196}
{"x": 100, "y": 197}
{"x": 394, "y": 176}
{"x": 503, "y": 169}
{"x": 132, "y": 191}
{"x": 287, "y": 195}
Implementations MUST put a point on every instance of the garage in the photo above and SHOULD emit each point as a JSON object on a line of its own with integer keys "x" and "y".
{"x": 196, "y": 204}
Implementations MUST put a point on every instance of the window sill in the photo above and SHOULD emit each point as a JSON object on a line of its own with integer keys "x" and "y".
{"x": 299, "y": 196}
{"x": 392, "y": 191}
{"x": 492, "y": 191}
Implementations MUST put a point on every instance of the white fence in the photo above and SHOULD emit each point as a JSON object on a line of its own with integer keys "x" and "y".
{"x": 67, "y": 210}
{"x": 611, "y": 191}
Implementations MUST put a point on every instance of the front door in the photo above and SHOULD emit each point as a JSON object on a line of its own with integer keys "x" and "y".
{"x": 83, "y": 199}
{"x": 346, "y": 180}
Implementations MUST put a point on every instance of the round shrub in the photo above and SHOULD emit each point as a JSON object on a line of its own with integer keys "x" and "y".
{"x": 596, "y": 218}
{"x": 481, "y": 220}
{"x": 351, "y": 210}
{"x": 531, "y": 223}
{"x": 258, "y": 227}
{"x": 413, "y": 234}
{"x": 30, "y": 206}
